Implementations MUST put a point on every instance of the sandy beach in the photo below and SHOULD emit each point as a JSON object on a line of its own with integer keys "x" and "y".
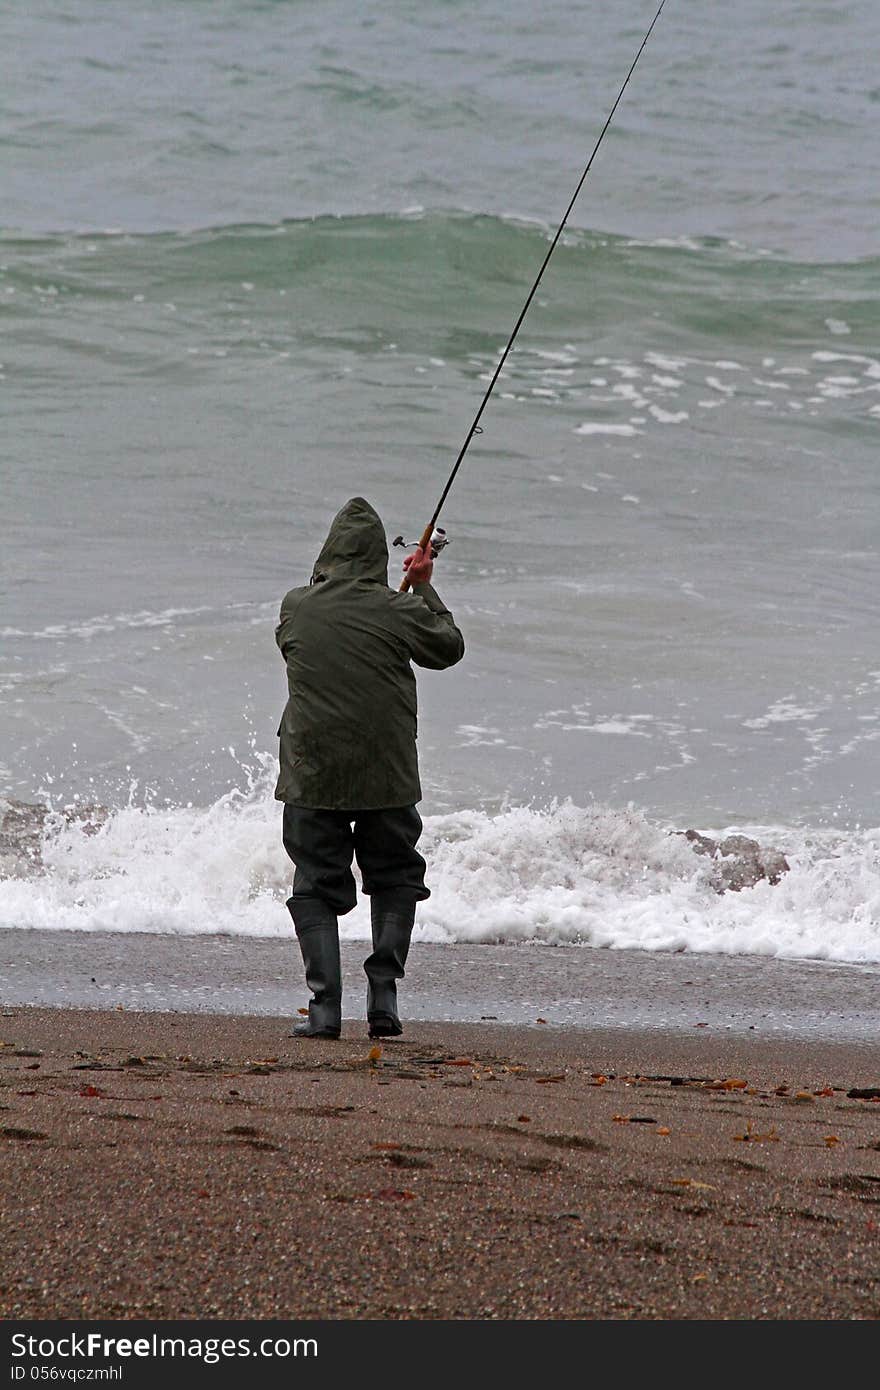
{"x": 160, "y": 1165}
{"x": 281, "y": 282}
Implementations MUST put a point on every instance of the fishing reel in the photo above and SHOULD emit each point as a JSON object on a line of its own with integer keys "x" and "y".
{"x": 439, "y": 541}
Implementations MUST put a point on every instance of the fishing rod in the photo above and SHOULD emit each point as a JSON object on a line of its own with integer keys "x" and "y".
{"x": 438, "y": 539}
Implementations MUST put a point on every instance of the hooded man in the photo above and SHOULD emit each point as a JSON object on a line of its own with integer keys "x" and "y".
{"x": 349, "y": 767}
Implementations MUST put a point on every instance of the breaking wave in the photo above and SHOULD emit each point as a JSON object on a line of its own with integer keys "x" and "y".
{"x": 595, "y": 876}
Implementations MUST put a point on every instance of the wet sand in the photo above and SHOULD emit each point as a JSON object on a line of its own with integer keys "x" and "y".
{"x": 175, "y": 1166}
{"x": 570, "y": 986}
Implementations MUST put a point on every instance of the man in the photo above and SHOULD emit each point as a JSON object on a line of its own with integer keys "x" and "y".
{"x": 349, "y": 768}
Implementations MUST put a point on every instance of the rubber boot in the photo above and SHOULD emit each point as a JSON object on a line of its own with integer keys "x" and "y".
{"x": 392, "y": 922}
{"x": 318, "y": 935}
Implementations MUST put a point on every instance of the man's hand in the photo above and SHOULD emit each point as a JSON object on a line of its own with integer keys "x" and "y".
{"x": 419, "y": 566}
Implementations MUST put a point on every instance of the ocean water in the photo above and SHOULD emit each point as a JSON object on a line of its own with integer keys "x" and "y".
{"x": 258, "y": 257}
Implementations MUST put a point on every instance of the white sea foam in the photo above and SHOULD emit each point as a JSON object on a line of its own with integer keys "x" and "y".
{"x": 667, "y": 243}
{"x": 783, "y": 712}
{"x": 668, "y": 417}
{"x": 665, "y": 363}
{"x": 628, "y": 392}
{"x": 107, "y": 622}
{"x": 825, "y": 356}
{"x": 597, "y": 876}
{"x": 594, "y": 427}
{"x": 720, "y": 386}
{"x": 564, "y": 357}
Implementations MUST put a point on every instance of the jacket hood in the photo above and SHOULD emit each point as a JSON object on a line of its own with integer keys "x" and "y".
{"x": 356, "y": 547}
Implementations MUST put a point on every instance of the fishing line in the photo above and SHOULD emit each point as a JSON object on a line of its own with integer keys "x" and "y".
{"x": 475, "y": 425}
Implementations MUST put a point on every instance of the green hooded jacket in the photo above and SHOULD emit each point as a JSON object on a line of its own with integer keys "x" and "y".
{"x": 348, "y": 732}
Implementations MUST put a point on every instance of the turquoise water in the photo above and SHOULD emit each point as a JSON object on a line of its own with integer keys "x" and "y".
{"x": 258, "y": 257}
{"x": 750, "y": 121}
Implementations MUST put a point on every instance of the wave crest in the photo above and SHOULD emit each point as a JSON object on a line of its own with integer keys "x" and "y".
{"x": 596, "y": 876}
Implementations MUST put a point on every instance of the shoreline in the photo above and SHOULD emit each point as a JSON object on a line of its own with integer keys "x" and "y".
{"x": 167, "y": 1166}
{"x": 572, "y": 987}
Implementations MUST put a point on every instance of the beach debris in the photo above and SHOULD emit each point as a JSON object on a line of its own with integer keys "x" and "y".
{"x": 864, "y": 1093}
{"x": 732, "y": 1083}
{"x": 751, "y": 1137}
{"x": 540, "y": 1020}
{"x": 524, "y": 1119}
{"x": 663, "y": 1129}
{"x": 695, "y": 1183}
{"x": 550, "y": 1080}
{"x": 374, "y": 1054}
{"x": 831, "y": 1140}
{"x": 738, "y": 861}
{"x": 90, "y": 1091}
